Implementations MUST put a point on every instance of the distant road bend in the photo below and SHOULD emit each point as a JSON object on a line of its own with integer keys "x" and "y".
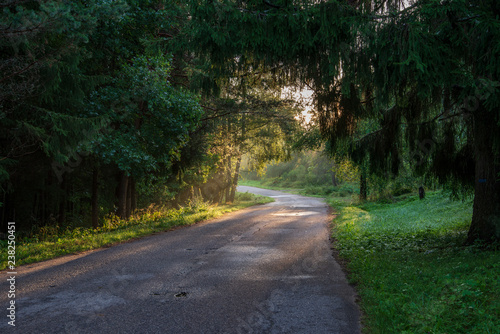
{"x": 265, "y": 269}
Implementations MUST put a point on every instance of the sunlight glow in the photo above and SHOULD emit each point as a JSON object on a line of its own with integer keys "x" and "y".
{"x": 304, "y": 99}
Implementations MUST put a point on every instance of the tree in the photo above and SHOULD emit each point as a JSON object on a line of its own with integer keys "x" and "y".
{"x": 425, "y": 95}
{"x": 407, "y": 66}
{"x": 149, "y": 125}
{"x": 86, "y": 96}
{"x": 42, "y": 102}
{"x": 255, "y": 121}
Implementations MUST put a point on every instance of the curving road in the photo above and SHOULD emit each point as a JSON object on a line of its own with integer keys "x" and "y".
{"x": 265, "y": 269}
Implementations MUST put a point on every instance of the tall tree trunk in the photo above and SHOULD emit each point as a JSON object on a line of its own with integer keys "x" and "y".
{"x": 71, "y": 204}
{"x": 128, "y": 209}
{"x": 62, "y": 202}
{"x": 133, "y": 192}
{"x": 36, "y": 205}
{"x": 485, "y": 223}
{"x": 334, "y": 180}
{"x": 229, "y": 180}
{"x": 51, "y": 198}
{"x": 220, "y": 195}
{"x": 363, "y": 188}
{"x": 235, "y": 180}
{"x": 3, "y": 208}
{"x": 44, "y": 198}
{"x": 94, "y": 199}
{"x": 238, "y": 162}
{"x": 122, "y": 194}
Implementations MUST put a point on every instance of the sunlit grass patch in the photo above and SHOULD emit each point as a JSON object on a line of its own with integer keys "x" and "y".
{"x": 50, "y": 242}
{"x": 344, "y": 192}
{"x": 267, "y": 184}
{"x": 412, "y": 270}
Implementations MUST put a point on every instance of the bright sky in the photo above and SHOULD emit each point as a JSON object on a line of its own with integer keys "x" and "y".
{"x": 304, "y": 96}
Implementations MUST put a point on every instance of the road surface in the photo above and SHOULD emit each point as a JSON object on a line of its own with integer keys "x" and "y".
{"x": 264, "y": 269}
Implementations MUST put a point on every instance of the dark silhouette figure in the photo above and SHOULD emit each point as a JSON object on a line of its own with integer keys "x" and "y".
{"x": 421, "y": 192}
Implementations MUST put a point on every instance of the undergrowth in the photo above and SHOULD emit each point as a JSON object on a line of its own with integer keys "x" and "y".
{"x": 50, "y": 241}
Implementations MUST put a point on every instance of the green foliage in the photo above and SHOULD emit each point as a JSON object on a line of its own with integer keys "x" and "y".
{"x": 101, "y": 86}
{"x": 244, "y": 196}
{"x": 248, "y": 119}
{"x": 412, "y": 270}
{"x": 43, "y": 87}
{"x": 86, "y": 86}
{"x": 345, "y": 170}
{"x": 150, "y": 119}
{"x": 390, "y": 79}
{"x": 305, "y": 168}
{"x": 255, "y": 199}
{"x": 309, "y": 173}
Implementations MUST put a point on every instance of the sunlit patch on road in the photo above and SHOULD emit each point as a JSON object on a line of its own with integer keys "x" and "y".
{"x": 294, "y": 213}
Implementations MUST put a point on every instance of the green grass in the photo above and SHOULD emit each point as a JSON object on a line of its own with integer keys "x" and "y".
{"x": 49, "y": 243}
{"x": 412, "y": 270}
{"x": 266, "y": 184}
{"x": 345, "y": 190}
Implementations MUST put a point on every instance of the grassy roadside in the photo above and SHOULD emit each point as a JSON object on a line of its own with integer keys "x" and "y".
{"x": 345, "y": 191}
{"x": 265, "y": 185}
{"x": 410, "y": 266}
{"x": 412, "y": 270}
{"x": 48, "y": 244}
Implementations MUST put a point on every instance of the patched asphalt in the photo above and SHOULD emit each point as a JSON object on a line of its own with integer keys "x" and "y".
{"x": 264, "y": 269}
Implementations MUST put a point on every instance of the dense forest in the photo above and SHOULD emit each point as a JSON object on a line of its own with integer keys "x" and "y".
{"x": 105, "y": 109}
{"x": 109, "y": 106}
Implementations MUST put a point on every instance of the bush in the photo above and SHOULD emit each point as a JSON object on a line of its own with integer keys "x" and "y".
{"x": 241, "y": 197}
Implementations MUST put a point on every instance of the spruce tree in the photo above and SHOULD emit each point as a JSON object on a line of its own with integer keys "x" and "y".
{"x": 426, "y": 71}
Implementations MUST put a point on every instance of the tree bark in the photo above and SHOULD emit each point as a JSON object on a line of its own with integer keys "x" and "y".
{"x": 3, "y": 208}
{"x": 219, "y": 197}
{"x": 229, "y": 180}
{"x": 122, "y": 195}
{"x": 363, "y": 188}
{"x": 62, "y": 203}
{"x": 235, "y": 180}
{"x": 94, "y": 199}
{"x": 133, "y": 192}
{"x": 485, "y": 223}
{"x": 128, "y": 208}
{"x": 334, "y": 180}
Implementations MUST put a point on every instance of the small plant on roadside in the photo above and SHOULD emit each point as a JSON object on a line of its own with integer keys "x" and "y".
{"x": 244, "y": 196}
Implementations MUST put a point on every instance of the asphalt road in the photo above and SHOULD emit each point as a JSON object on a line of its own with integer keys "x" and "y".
{"x": 265, "y": 269}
